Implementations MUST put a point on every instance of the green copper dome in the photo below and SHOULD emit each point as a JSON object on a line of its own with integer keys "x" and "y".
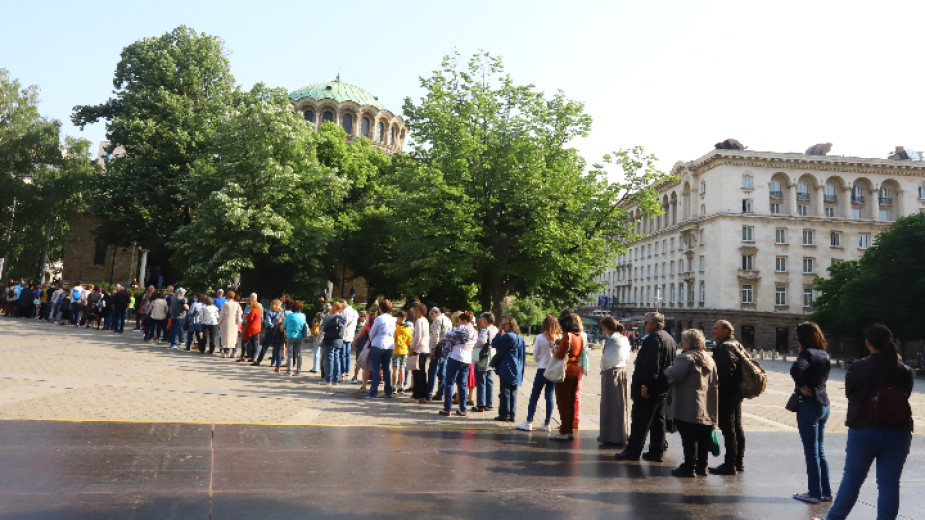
{"x": 339, "y": 92}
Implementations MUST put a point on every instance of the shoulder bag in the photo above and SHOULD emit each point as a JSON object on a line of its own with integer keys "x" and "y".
{"x": 555, "y": 370}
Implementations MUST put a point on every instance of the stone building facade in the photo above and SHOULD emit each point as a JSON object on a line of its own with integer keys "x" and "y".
{"x": 744, "y": 233}
{"x": 90, "y": 261}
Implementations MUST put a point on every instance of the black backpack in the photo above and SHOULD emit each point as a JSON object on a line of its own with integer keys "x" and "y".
{"x": 888, "y": 407}
{"x": 334, "y": 327}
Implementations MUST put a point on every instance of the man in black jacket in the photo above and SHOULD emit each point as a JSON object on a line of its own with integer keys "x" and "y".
{"x": 120, "y": 302}
{"x": 729, "y": 368}
{"x": 649, "y": 391}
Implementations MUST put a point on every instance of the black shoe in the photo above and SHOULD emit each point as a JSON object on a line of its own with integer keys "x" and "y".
{"x": 255, "y": 364}
{"x": 499, "y": 418}
{"x": 652, "y": 457}
{"x": 740, "y": 466}
{"x": 626, "y": 456}
{"x": 723, "y": 469}
{"x": 683, "y": 471}
{"x": 701, "y": 472}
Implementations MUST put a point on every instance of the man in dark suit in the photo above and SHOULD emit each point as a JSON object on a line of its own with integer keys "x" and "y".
{"x": 119, "y": 306}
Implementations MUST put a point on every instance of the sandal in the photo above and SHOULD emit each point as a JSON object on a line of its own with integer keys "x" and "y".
{"x": 805, "y": 497}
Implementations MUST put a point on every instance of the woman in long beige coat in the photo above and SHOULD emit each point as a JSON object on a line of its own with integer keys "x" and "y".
{"x": 228, "y": 320}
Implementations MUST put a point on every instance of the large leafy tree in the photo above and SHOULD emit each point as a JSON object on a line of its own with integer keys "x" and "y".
{"x": 170, "y": 92}
{"x": 885, "y": 285}
{"x": 496, "y": 198}
{"x": 41, "y": 177}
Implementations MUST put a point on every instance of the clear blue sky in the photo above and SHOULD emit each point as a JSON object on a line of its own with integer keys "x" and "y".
{"x": 675, "y": 77}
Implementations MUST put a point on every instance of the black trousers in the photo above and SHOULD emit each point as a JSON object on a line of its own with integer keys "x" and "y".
{"x": 730, "y": 423}
{"x": 648, "y": 417}
{"x": 695, "y": 440}
{"x": 419, "y": 378}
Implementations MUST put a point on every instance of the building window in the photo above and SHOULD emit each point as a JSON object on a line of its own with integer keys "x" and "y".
{"x": 863, "y": 240}
{"x": 746, "y": 205}
{"x": 807, "y": 297}
{"x": 748, "y": 262}
{"x": 681, "y": 266}
{"x": 701, "y": 237}
{"x": 856, "y": 196}
{"x": 364, "y": 127}
{"x": 808, "y": 237}
{"x": 347, "y": 123}
{"x": 775, "y": 208}
{"x": 703, "y": 187}
{"x": 656, "y": 270}
{"x": 99, "y": 252}
{"x": 884, "y": 214}
{"x": 856, "y": 212}
{"x": 672, "y": 294}
{"x": 830, "y": 192}
{"x": 328, "y": 116}
{"x": 748, "y": 295}
{"x": 836, "y": 239}
{"x": 885, "y": 196}
{"x": 780, "y": 296}
{"x": 780, "y": 264}
{"x": 808, "y": 266}
{"x": 309, "y": 116}
{"x": 802, "y": 191}
{"x": 748, "y": 234}
{"x": 802, "y": 210}
{"x": 835, "y": 261}
{"x": 392, "y": 138}
{"x": 830, "y": 211}
{"x": 702, "y": 263}
{"x": 703, "y": 210}
{"x": 922, "y": 192}
{"x": 747, "y": 181}
{"x": 672, "y": 267}
{"x": 703, "y": 292}
{"x": 780, "y": 236}
{"x": 380, "y": 130}
{"x": 776, "y": 192}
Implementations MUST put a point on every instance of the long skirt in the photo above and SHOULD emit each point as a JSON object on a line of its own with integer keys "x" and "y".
{"x": 615, "y": 411}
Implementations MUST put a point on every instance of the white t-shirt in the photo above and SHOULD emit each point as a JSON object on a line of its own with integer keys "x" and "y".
{"x": 350, "y": 327}
{"x": 542, "y": 351}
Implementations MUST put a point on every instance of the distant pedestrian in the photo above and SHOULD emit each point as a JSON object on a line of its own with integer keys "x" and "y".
{"x": 296, "y": 333}
{"x": 440, "y": 325}
{"x": 250, "y": 335}
{"x": 229, "y": 317}
{"x": 459, "y": 343}
{"x": 570, "y": 347}
{"x": 420, "y": 346}
{"x": 194, "y": 322}
{"x": 209, "y": 325}
{"x": 543, "y": 345}
{"x": 382, "y": 342}
{"x": 483, "y": 353}
{"x": 729, "y": 361}
{"x": 615, "y": 415}
{"x": 810, "y": 372}
{"x": 510, "y": 360}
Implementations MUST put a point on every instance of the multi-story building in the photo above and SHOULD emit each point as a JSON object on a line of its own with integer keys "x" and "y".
{"x": 744, "y": 233}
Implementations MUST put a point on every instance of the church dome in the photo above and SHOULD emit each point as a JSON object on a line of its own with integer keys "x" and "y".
{"x": 338, "y": 91}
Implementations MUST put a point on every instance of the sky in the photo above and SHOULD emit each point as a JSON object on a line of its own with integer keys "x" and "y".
{"x": 673, "y": 76}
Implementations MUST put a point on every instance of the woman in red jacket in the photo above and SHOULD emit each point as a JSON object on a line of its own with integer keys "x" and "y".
{"x": 250, "y": 339}
{"x": 570, "y": 345}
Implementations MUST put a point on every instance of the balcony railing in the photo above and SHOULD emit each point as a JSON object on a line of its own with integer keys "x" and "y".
{"x": 777, "y": 195}
{"x": 831, "y": 198}
{"x": 857, "y": 199}
{"x": 886, "y": 201}
{"x": 802, "y": 196}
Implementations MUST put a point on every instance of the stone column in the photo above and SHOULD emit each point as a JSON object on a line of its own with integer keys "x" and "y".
{"x": 820, "y": 201}
{"x": 143, "y": 268}
{"x": 872, "y": 204}
{"x": 844, "y": 204}
{"x": 792, "y": 187}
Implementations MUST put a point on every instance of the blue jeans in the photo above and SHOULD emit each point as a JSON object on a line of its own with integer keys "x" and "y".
{"x": 436, "y": 370}
{"x": 890, "y": 448}
{"x": 316, "y": 364}
{"x": 333, "y": 349}
{"x": 507, "y": 401}
{"x": 176, "y": 331}
{"x": 540, "y": 384}
{"x": 380, "y": 358}
{"x": 484, "y": 388}
{"x": 118, "y": 317}
{"x": 811, "y": 419}
{"x": 345, "y": 357}
{"x": 456, "y": 372}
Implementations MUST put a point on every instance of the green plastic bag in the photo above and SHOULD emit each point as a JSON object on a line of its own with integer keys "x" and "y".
{"x": 714, "y": 443}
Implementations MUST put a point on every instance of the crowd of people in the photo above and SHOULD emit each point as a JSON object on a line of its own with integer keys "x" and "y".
{"x": 454, "y": 359}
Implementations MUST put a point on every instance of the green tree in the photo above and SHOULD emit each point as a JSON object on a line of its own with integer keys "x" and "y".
{"x": 528, "y": 311}
{"x": 494, "y": 197}
{"x": 41, "y": 179}
{"x": 885, "y": 285}
{"x": 170, "y": 92}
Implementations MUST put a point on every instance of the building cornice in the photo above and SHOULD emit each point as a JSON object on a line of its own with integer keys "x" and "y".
{"x": 799, "y": 162}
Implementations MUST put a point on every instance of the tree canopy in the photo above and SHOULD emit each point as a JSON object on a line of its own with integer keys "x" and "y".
{"x": 886, "y": 286}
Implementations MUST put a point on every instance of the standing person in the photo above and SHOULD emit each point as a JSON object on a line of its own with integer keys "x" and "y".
{"x": 382, "y": 342}
{"x": 615, "y": 410}
{"x": 56, "y": 298}
{"x": 250, "y": 335}
{"x": 142, "y": 310}
{"x": 420, "y": 345}
{"x": 543, "y": 345}
{"x": 209, "y": 324}
{"x": 694, "y": 402}
{"x": 570, "y": 347}
{"x": 178, "y": 310}
{"x": 95, "y": 307}
{"x": 276, "y": 333}
{"x": 729, "y": 366}
{"x": 333, "y": 331}
{"x": 649, "y": 391}
{"x": 510, "y": 359}
{"x": 318, "y": 340}
{"x": 879, "y": 424}
{"x": 360, "y": 328}
{"x": 296, "y": 329}
{"x": 439, "y": 327}
{"x": 459, "y": 343}
{"x": 194, "y": 322}
{"x": 483, "y": 353}
{"x": 159, "y": 313}
{"x": 350, "y": 330}
{"x": 403, "y": 337}
{"x": 78, "y": 303}
{"x": 810, "y": 372}
{"x": 219, "y": 299}
{"x": 120, "y": 303}
{"x": 229, "y": 317}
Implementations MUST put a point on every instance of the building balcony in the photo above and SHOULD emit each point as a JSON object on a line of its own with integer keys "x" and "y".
{"x": 886, "y": 201}
{"x": 777, "y": 195}
{"x": 857, "y": 199}
{"x": 831, "y": 198}
{"x": 802, "y": 196}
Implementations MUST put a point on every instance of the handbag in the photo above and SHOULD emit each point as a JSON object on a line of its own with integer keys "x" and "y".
{"x": 793, "y": 404}
{"x": 413, "y": 362}
{"x": 714, "y": 443}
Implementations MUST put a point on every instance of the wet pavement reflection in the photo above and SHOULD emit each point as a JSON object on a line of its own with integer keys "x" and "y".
{"x": 99, "y": 470}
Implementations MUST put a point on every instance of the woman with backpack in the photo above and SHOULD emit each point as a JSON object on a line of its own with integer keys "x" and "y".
{"x": 276, "y": 333}
{"x": 333, "y": 342}
{"x": 509, "y": 361}
{"x": 810, "y": 372}
{"x": 879, "y": 424}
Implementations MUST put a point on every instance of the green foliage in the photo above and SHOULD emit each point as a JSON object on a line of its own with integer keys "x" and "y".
{"x": 885, "y": 285}
{"x": 170, "y": 93}
{"x": 493, "y": 196}
{"x": 528, "y": 311}
{"x": 41, "y": 179}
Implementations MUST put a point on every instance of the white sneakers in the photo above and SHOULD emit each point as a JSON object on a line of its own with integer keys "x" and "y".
{"x": 543, "y": 428}
{"x": 529, "y": 427}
